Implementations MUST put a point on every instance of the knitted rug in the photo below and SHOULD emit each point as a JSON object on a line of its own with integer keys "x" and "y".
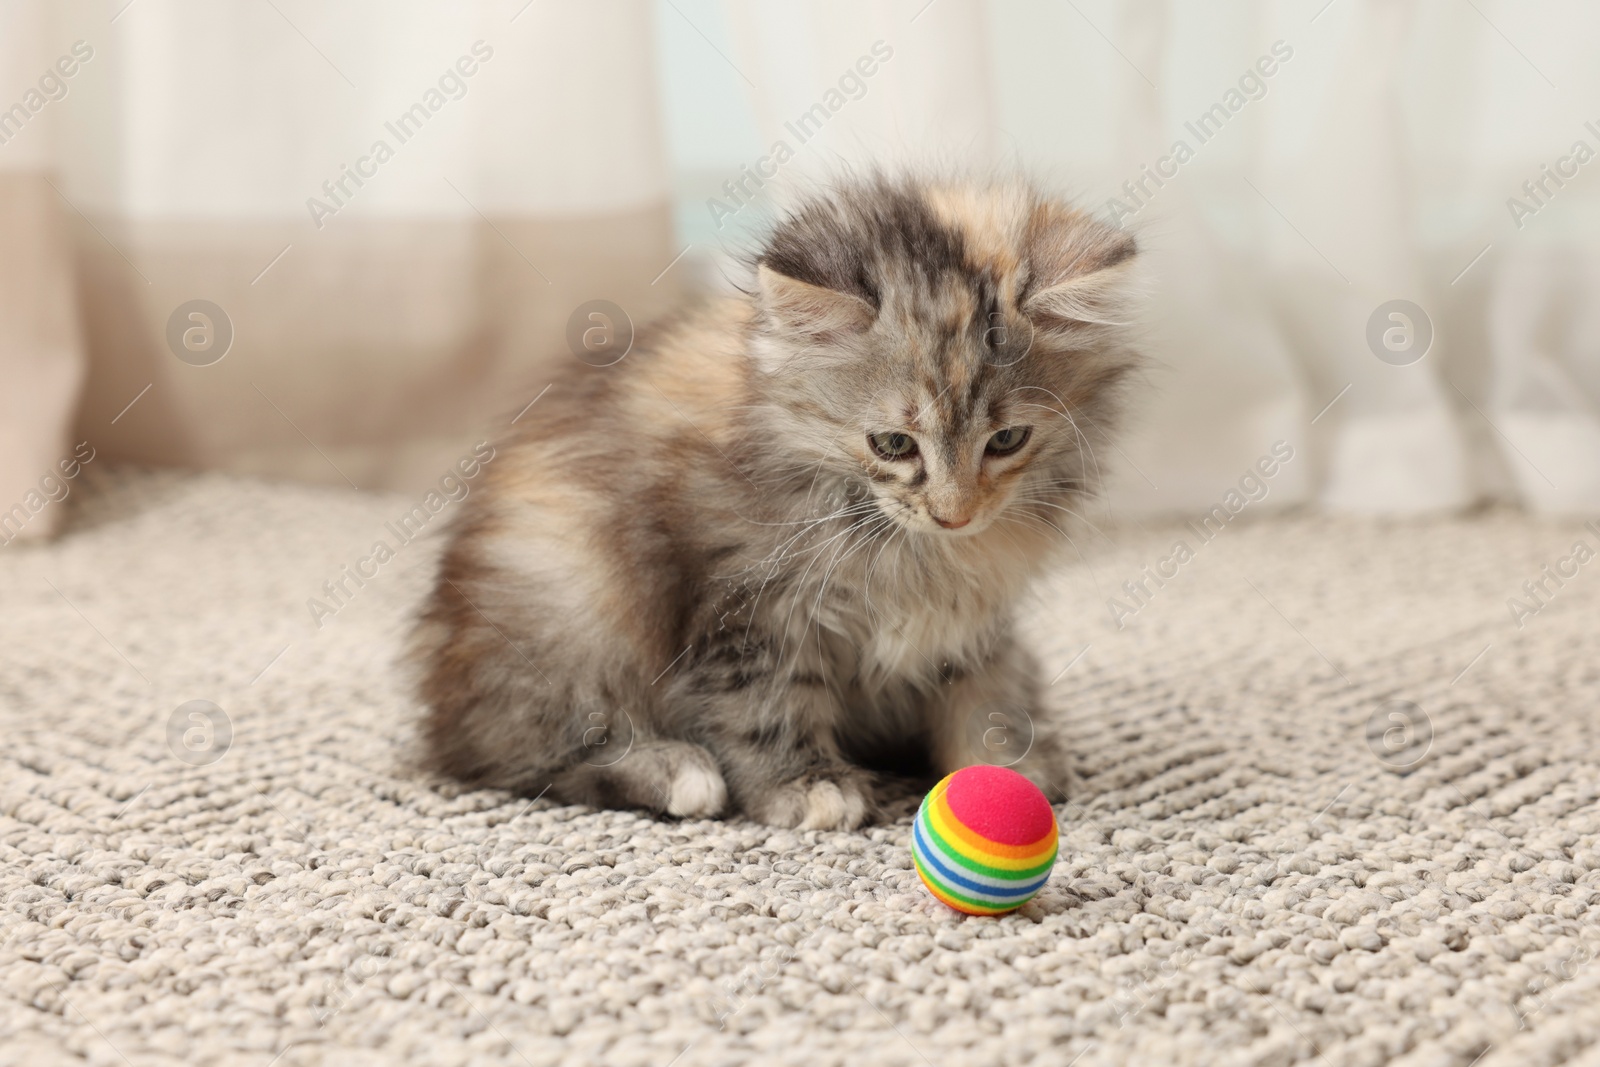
{"x": 1336, "y": 804}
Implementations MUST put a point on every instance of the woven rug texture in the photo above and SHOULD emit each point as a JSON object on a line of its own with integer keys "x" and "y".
{"x": 1336, "y": 804}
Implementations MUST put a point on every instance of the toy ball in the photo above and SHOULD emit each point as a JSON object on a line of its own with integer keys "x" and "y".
{"x": 984, "y": 840}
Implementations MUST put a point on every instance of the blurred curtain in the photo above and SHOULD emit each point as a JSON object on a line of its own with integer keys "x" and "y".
{"x": 41, "y": 352}
{"x": 215, "y": 152}
{"x": 1339, "y": 157}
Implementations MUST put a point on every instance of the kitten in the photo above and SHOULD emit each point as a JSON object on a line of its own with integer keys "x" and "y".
{"x": 785, "y": 539}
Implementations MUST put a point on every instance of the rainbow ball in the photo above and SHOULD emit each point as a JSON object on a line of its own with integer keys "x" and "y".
{"x": 984, "y": 840}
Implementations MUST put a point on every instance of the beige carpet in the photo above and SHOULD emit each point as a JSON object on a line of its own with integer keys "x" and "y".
{"x": 1246, "y": 876}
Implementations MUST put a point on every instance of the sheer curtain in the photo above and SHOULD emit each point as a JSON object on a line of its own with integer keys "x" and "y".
{"x": 1379, "y": 242}
{"x": 393, "y": 208}
{"x": 1337, "y": 158}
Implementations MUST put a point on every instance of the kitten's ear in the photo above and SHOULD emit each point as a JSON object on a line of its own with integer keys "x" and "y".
{"x": 1081, "y": 272}
{"x": 809, "y": 309}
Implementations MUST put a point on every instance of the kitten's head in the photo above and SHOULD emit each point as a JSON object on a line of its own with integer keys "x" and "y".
{"x": 954, "y": 347}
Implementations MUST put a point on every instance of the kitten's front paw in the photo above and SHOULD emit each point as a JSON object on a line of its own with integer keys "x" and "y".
{"x": 1050, "y": 771}
{"x": 696, "y": 789}
{"x": 1050, "y": 784}
{"x": 834, "y": 800}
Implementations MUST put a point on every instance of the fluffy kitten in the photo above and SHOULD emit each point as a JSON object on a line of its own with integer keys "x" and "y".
{"x": 783, "y": 541}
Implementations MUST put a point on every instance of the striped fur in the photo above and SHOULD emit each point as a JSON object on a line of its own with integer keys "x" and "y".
{"x": 693, "y": 584}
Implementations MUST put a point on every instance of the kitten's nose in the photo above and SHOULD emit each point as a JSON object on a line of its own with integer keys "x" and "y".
{"x": 953, "y": 524}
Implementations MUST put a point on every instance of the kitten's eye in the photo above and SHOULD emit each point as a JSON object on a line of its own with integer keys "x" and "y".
{"x": 1007, "y": 440}
{"x": 893, "y": 445}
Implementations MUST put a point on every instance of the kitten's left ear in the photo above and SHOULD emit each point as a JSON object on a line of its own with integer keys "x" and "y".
{"x": 1081, "y": 271}
{"x": 813, "y": 310}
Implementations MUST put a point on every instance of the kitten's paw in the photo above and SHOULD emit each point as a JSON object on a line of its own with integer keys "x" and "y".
{"x": 1051, "y": 772}
{"x": 1049, "y": 783}
{"x": 838, "y": 801}
{"x": 672, "y": 777}
{"x": 697, "y": 789}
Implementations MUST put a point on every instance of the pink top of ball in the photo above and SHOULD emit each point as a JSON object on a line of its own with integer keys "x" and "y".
{"x": 999, "y": 804}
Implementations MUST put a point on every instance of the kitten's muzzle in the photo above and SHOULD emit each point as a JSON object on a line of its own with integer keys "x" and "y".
{"x": 953, "y": 524}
